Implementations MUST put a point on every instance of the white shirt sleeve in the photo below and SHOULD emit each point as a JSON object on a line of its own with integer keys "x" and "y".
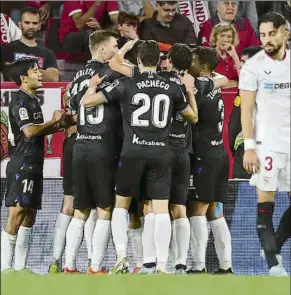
{"x": 14, "y": 31}
{"x": 248, "y": 78}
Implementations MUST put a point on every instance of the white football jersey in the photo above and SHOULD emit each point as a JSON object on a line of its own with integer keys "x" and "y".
{"x": 270, "y": 78}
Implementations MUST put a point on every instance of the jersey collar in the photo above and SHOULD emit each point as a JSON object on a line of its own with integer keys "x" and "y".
{"x": 285, "y": 54}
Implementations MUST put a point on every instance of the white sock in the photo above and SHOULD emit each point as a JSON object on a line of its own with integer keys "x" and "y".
{"x": 119, "y": 226}
{"x": 199, "y": 240}
{"x": 162, "y": 237}
{"x": 88, "y": 231}
{"x": 7, "y": 250}
{"x": 100, "y": 241}
{"x": 61, "y": 227}
{"x": 173, "y": 246}
{"x": 222, "y": 242}
{"x": 74, "y": 239}
{"x": 136, "y": 244}
{"x": 182, "y": 234}
{"x": 21, "y": 248}
{"x": 148, "y": 241}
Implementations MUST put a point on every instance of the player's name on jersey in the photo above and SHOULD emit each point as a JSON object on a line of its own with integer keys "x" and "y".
{"x": 153, "y": 84}
{"x": 89, "y": 72}
{"x": 137, "y": 140}
{"x": 212, "y": 94}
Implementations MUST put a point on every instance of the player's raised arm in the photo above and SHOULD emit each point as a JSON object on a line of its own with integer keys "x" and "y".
{"x": 188, "y": 81}
{"x": 118, "y": 64}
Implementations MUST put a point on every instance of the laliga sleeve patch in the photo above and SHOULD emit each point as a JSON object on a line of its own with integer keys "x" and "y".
{"x": 23, "y": 114}
{"x": 237, "y": 101}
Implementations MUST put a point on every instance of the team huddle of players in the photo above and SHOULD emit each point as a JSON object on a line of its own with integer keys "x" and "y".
{"x": 137, "y": 130}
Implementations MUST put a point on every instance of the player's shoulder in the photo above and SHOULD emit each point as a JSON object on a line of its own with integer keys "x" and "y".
{"x": 202, "y": 82}
{"x": 256, "y": 61}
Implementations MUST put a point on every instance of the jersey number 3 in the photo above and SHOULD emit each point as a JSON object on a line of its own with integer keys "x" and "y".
{"x": 160, "y": 110}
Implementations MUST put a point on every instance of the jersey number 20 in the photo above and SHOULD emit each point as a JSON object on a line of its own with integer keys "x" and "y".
{"x": 160, "y": 110}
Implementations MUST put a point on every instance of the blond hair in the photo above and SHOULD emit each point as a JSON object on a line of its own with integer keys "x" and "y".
{"x": 221, "y": 28}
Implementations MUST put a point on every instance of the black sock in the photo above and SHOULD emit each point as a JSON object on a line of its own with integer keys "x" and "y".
{"x": 266, "y": 232}
{"x": 284, "y": 230}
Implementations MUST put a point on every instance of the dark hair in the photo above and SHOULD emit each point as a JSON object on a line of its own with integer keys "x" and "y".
{"x": 20, "y": 68}
{"x": 161, "y": 3}
{"x": 251, "y": 51}
{"x": 98, "y": 37}
{"x": 149, "y": 53}
{"x": 207, "y": 56}
{"x": 131, "y": 55}
{"x": 276, "y": 18}
{"x": 127, "y": 18}
{"x": 180, "y": 56}
{"x": 29, "y": 9}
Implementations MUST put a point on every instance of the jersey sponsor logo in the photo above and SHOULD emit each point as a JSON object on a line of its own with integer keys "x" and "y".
{"x": 136, "y": 140}
{"x": 93, "y": 137}
{"x": 23, "y": 114}
{"x": 267, "y": 73}
{"x": 277, "y": 85}
{"x": 216, "y": 143}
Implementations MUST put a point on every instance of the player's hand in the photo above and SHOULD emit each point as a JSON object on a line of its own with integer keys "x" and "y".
{"x": 188, "y": 81}
{"x": 128, "y": 45}
{"x": 251, "y": 162}
{"x": 57, "y": 116}
{"x": 95, "y": 81}
{"x": 93, "y": 24}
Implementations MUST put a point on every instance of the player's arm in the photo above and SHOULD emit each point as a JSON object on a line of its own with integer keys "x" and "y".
{"x": 190, "y": 89}
{"x": 219, "y": 80}
{"x": 182, "y": 106}
{"x": 118, "y": 64}
{"x": 48, "y": 127}
{"x": 248, "y": 84}
{"x": 110, "y": 93}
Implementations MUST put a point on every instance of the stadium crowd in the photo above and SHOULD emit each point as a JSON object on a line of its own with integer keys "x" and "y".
{"x": 201, "y": 43}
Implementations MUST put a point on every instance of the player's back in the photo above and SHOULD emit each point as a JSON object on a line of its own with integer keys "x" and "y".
{"x": 210, "y": 113}
{"x": 270, "y": 78}
{"x": 25, "y": 110}
{"x": 147, "y": 108}
{"x": 96, "y": 125}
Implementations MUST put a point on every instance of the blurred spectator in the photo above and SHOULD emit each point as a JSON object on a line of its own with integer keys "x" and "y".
{"x": 142, "y": 9}
{"x": 224, "y": 39}
{"x": 246, "y": 9}
{"x": 236, "y": 141}
{"x": 127, "y": 27}
{"x": 227, "y": 12}
{"x": 27, "y": 46}
{"x": 167, "y": 26}
{"x": 44, "y": 9}
{"x": 79, "y": 19}
{"x": 9, "y": 31}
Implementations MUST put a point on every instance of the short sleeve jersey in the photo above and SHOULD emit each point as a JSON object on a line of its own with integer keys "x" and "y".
{"x": 270, "y": 79}
{"x": 210, "y": 115}
{"x": 147, "y": 101}
{"x": 25, "y": 110}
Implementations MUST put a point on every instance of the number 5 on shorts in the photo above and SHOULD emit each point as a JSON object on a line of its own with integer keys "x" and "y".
{"x": 27, "y": 186}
